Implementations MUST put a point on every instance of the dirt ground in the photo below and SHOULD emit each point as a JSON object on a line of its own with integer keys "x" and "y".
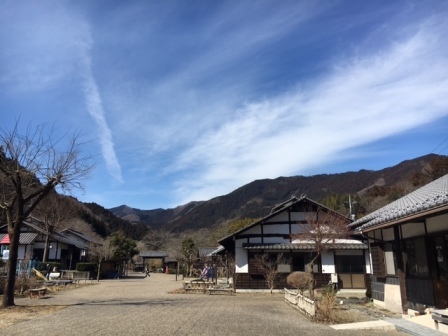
{"x": 17, "y": 314}
{"x": 346, "y": 313}
{"x": 360, "y": 312}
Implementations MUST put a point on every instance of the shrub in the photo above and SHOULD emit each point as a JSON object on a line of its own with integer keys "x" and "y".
{"x": 327, "y": 303}
{"x": 24, "y": 283}
{"x": 87, "y": 267}
{"x": 369, "y": 293}
{"x": 299, "y": 280}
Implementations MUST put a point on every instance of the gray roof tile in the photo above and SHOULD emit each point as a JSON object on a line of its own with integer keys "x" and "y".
{"x": 430, "y": 196}
{"x": 153, "y": 254}
{"x": 305, "y": 246}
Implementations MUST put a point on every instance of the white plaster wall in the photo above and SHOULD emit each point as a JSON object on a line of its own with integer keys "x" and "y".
{"x": 294, "y": 228}
{"x": 302, "y": 216}
{"x": 368, "y": 261}
{"x": 437, "y": 224}
{"x": 328, "y": 266}
{"x": 278, "y": 228}
{"x": 22, "y": 252}
{"x": 52, "y": 254}
{"x": 256, "y": 229}
{"x": 377, "y": 234}
{"x": 255, "y": 240}
{"x": 281, "y": 217}
{"x": 278, "y": 240}
{"x": 241, "y": 258}
{"x": 392, "y": 298}
{"x": 388, "y": 234}
{"x": 413, "y": 230}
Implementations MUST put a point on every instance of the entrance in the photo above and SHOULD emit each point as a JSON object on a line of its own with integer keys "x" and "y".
{"x": 438, "y": 247}
{"x": 350, "y": 267}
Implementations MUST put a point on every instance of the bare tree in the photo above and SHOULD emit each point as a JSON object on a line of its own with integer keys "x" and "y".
{"x": 157, "y": 240}
{"x": 53, "y": 211}
{"x": 31, "y": 166}
{"x": 269, "y": 265}
{"x": 321, "y": 231}
{"x": 99, "y": 253}
{"x": 231, "y": 270}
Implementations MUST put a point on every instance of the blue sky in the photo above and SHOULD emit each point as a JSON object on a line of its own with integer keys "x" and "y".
{"x": 188, "y": 100}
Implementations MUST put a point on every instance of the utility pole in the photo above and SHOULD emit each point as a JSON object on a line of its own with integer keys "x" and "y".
{"x": 352, "y": 215}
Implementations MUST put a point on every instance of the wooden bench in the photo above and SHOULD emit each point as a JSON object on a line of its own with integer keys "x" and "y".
{"x": 219, "y": 290}
{"x": 77, "y": 281}
{"x": 38, "y": 292}
{"x": 197, "y": 286}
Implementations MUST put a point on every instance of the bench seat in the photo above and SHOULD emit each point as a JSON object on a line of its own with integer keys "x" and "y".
{"x": 220, "y": 290}
{"x": 38, "y": 292}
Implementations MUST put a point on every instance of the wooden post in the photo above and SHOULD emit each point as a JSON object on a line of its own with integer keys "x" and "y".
{"x": 401, "y": 268}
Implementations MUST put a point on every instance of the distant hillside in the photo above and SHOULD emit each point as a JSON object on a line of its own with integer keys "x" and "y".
{"x": 255, "y": 199}
{"x": 105, "y": 222}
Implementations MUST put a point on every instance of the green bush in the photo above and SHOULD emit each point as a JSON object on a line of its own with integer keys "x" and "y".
{"x": 87, "y": 267}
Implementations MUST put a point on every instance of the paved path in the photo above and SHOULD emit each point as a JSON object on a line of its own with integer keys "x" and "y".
{"x": 142, "y": 306}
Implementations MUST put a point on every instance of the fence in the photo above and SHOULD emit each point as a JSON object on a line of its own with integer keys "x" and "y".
{"x": 304, "y": 304}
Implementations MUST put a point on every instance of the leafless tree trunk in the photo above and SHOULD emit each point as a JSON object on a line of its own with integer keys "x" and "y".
{"x": 322, "y": 229}
{"x": 52, "y": 212}
{"x": 31, "y": 166}
{"x": 100, "y": 253}
{"x": 269, "y": 266}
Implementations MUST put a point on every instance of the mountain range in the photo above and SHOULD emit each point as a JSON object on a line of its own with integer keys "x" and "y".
{"x": 254, "y": 200}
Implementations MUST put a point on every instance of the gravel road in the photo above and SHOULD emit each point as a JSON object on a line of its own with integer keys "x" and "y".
{"x": 143, "y": 306}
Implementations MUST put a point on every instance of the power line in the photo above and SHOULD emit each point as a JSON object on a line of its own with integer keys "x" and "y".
{"x": 433, "y": 151}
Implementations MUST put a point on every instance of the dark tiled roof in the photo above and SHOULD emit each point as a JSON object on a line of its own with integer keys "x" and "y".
{"x": 432, "y": 195}
{"x": 25, "y": 237}
{"x": 216, "y": 251}
{"x": 205, "y": 251}
{"x": 342, "y": 245}
{"x": 153, "y": 254}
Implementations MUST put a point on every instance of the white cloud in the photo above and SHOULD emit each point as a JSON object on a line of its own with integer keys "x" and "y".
{"x": 365, "y": 99}
{"x": 45, "y": 49}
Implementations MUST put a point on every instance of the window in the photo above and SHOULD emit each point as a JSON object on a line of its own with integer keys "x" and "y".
{"x": 350, "y": 264}
{"x": 416, "y": 261}
{"x": 441, "y": 253}
{"x": 378, "y": 264}
{"x": 298, "y": 263}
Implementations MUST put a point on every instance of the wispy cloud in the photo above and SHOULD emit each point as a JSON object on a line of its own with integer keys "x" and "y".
{"x": 96, "y": 110}
{"x": 192, "y": 101}
{"x": 44, "y": 49}
{"x": 366, "y": 98}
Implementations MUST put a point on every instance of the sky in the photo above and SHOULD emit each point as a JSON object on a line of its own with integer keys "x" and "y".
{"x": 184, "y": 101}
